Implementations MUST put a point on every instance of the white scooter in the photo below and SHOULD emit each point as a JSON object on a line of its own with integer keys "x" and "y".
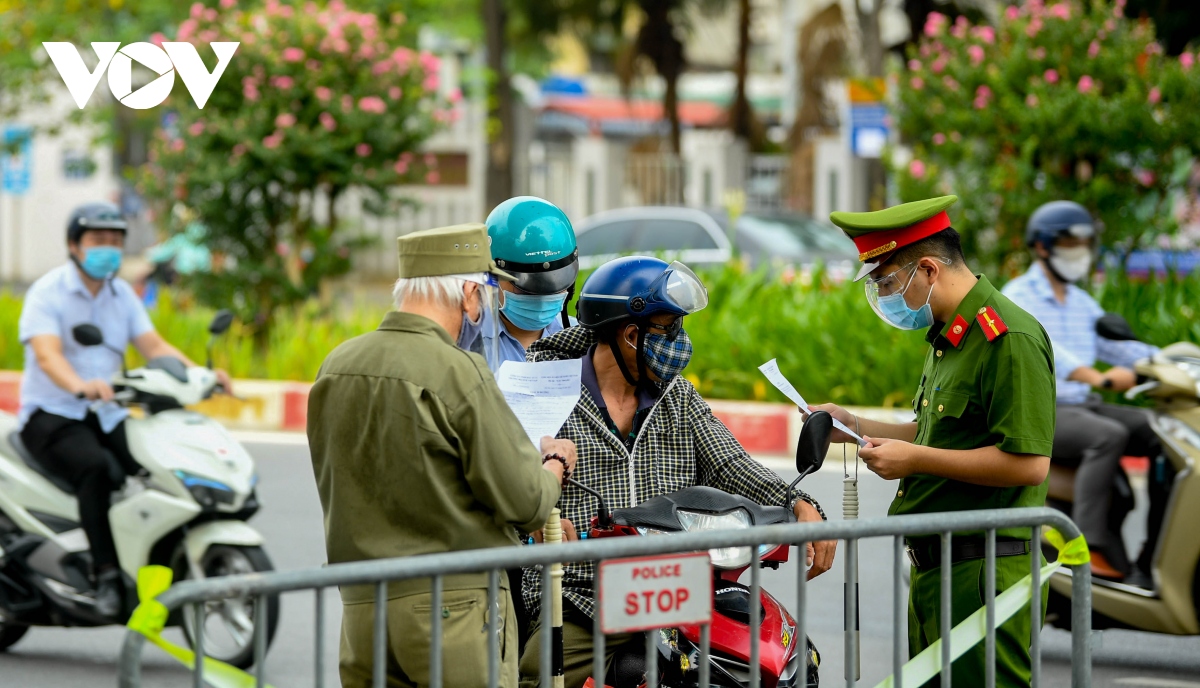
{"x": 188, "y": 511}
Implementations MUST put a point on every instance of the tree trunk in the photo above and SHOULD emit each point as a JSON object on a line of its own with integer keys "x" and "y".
{"x": 872, "y": 43}
{"x": 499, "y": 179}
{"x": 742, "y": 115}
{"x": 671, "y": 109}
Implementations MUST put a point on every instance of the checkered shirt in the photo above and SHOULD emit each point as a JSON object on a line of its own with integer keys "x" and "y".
{"x": 1071, "y": 326}
{"x": 681, "y": 444}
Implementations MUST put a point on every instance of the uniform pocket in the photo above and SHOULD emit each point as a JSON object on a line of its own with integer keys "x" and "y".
{"x": 945, "y": 404}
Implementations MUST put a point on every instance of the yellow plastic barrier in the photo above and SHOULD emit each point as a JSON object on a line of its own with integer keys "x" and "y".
{"x": 973, "y": 629}
{"x": 150, "y": 618}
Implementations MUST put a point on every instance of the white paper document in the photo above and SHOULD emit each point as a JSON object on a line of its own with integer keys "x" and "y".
{"x": 542, "y": 395}
{"x": 771, "y": 370}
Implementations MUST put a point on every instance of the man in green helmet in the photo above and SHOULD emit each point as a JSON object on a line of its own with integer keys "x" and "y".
{"x": 984, "y": 423}
{"x": 533, "y": 241}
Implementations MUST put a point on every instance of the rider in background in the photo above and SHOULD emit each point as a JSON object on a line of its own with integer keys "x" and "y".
{"x": 67, "y": 418}
{"x": 533, "y": 241}
{"x": 1089, "y": 433}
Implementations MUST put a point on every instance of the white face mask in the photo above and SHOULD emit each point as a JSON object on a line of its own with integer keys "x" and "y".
{"x": 1072, "y": 264}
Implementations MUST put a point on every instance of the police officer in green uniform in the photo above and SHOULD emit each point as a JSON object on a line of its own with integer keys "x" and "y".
{"x": 415, "y": 451}
{"x": 984, "y": 418}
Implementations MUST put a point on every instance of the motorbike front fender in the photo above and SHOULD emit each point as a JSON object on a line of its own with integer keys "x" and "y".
{"x": 201, "y": 537}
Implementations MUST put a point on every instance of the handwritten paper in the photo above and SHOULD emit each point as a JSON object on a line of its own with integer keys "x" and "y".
{"x": 542, "y": 395}
{"x": 770, "y": 369}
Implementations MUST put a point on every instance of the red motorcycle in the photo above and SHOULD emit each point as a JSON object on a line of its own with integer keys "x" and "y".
{"x": 784, "y": 662}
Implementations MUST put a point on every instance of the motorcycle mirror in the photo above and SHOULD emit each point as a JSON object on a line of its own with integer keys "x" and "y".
{"x": 221, "y": 322}
{"x": 87, "y": 335}
{"x": 813, "y": 444}
{"x": 1114, "y": 326}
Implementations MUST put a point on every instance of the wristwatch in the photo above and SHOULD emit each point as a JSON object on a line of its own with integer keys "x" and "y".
{"x": 1107, "y": 383}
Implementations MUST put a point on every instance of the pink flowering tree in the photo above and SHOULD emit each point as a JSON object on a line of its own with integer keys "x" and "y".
{"x": 1060, "y": 100}
{"x": 316, "y": 101}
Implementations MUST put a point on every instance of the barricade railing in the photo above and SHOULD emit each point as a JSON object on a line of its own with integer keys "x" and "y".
{"x": 495, "y": 561}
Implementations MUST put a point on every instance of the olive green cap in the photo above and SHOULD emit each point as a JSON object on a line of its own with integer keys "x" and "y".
{"x": 896, "y": 217}
{"x": 456, "y": 250}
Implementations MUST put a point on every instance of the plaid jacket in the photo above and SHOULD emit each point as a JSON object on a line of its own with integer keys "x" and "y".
{"x": 681, "y": 444}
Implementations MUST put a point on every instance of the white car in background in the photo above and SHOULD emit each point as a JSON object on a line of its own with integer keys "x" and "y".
{"x": 700, "y": 238}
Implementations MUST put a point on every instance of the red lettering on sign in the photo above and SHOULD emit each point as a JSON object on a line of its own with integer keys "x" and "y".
{"x": 681, "y": 596}
{"x": 631, "y": 604}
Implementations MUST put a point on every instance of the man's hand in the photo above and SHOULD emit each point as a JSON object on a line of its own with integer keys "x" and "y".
{"x": 839, "y": 413}
{"x": 568, "y": 532}
{"x": 564, "y": 448}
{"x": 889, "y": 459}
{"x": 819, "y": 555}
{"x": 1122, "y": 378}
{"x": 225, "y": 381}
{"x": 95, "y": 390}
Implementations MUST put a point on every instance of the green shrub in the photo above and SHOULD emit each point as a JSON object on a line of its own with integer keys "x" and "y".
{"x": 827, "y": 339}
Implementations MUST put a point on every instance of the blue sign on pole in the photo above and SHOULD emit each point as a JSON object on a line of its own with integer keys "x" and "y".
{"x": 16, "y": 165}
{"x": 868, "y": 130}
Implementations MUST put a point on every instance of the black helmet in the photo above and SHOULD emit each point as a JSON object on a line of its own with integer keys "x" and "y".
{"x": 1057, "y": 219}
{"x": 94, "y": 216}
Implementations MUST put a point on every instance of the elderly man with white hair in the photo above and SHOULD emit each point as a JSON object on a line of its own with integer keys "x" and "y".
{"x": 415, "y": 451}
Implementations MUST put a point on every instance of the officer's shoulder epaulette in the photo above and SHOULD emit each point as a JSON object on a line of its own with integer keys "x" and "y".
{"x": 990, "y": 322}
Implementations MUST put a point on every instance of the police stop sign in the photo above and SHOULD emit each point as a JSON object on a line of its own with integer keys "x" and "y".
{"x": 655, "y": 592}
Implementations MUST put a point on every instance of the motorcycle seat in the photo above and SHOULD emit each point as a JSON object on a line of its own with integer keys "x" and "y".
{"x": 14, "y": 440}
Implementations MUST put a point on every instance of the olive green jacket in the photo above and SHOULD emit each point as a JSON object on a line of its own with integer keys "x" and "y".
{"x": 415, "y": 451}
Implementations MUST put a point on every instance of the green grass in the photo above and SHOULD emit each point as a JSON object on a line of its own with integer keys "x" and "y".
{"x": 827, "y": 339}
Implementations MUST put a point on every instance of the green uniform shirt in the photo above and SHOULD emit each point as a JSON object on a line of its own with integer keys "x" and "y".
{"x": 978, "y": 394}
{"x": 415, "y": 451}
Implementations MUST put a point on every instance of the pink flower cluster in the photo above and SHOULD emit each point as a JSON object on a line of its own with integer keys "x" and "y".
{"x": 983, "y": 97}
{"x": 372, "y": 104}
{"x": 1086, "y": 84}
{"x": 935, "y": 23}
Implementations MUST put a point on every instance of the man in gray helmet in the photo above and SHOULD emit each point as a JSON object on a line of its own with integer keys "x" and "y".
{"x": 1089, "y": 434}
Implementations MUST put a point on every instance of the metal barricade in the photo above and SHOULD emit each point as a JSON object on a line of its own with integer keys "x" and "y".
{"x": 494, "y": 561}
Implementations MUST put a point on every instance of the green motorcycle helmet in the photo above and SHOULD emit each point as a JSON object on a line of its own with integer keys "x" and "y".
{"x": 533, "y": 240}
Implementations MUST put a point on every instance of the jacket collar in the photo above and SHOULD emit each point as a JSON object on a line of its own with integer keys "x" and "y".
{"x": 396, "y": 321}
{"x": 967, "y": 309}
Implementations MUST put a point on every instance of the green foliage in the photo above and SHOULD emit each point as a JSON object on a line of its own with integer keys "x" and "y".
{"x": 316, "y": 101}
{"x": 827, "y": 339}
{"x": 1068, "y": 101}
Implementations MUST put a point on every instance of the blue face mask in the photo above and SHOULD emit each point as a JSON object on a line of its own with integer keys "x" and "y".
{"x": 532, "y": 312}
{"x": 99, "y": 262}
{"x": 666, "y": 358}
{"x": 895, "y": 311}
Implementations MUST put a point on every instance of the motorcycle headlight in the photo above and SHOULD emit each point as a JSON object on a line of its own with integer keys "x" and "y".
{"x": 1178, "y": 430}
{"x": 722, "y": 557}
{"x": 208, "y": 493}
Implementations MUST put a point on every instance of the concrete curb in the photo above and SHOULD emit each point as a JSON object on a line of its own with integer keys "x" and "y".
{"x": 280, "y": 406}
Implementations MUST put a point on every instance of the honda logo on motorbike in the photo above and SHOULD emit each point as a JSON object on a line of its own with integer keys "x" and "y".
{"x": 118, "y": 61}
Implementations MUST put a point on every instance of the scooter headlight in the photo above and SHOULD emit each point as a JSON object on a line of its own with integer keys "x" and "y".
{"x": 208, "y": 493}
{"x": 1178, "y": 430}
{"x": 722, "y": 557}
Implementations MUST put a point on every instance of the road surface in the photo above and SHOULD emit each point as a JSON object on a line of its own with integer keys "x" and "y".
{"x": 291, "y": 521}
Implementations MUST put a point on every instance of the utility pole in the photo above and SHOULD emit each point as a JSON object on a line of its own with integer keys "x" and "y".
{"x": 498, "y": 180}
{"x": 872, "y": 47}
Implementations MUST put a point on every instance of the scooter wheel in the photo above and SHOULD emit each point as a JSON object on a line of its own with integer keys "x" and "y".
{"x": 229, "y": 624}
{"x": 11, "y": 633}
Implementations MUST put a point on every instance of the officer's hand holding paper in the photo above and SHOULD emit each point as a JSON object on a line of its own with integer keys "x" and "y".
{"x": 771, "y": 370}
{"x": 541, "y": 395}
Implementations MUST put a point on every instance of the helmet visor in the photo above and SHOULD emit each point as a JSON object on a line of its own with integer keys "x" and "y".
{"x": 683, "y": 289}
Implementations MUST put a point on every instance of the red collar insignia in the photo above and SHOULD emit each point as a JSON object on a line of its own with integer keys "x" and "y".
{"x": 958, "y": 330}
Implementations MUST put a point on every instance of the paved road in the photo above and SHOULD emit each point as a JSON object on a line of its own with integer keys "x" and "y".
{"x": 291, "y": 522}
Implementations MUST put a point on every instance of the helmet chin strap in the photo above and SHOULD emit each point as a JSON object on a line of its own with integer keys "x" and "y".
{"x": 566, "y": 319}
{"x": 641, "y": 379}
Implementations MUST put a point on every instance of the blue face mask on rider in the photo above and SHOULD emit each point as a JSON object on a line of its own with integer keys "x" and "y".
{"x": 896, "y": 312}
{"x": 532, "y": 312}
{"x": 99, "y": 262}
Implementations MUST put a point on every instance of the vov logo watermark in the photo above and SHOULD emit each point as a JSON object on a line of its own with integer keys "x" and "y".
{"x": 164, "y": 61}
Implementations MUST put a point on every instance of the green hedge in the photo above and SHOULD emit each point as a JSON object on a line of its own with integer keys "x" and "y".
{"x": 827, "y": 339}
